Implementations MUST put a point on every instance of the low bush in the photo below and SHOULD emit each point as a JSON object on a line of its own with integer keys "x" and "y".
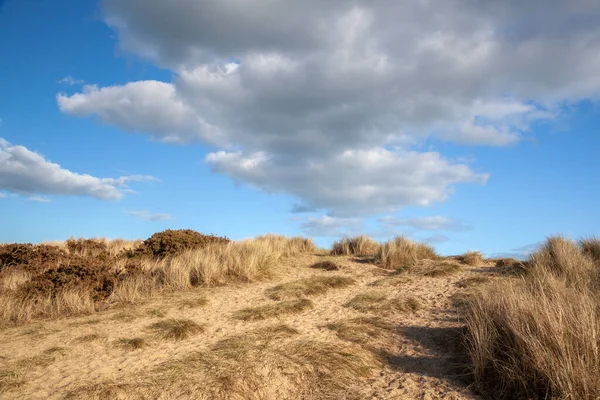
{"x": 172, "y": 242}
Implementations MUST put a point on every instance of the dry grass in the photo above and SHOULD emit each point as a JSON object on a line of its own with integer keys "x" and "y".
{"x": 133, "y": 343}
{"x": 378, "y": 302}
{"x": 365, "y": 330}
{"x": 176, "y": 329}
{"x": 216, "y": 264}
{"x": 92, "y": 337}
{"x": 273, "y": 310}
{"x": 10, "y": 280}
{"x": 326, "y": 266}
{"x": 473, "y": 281}
{"x": 359, "y": 246}
{"x": 591, "y": 248}
{"x": 401, "y": 253}
{"x": 10, "y": 379}
{"x": 472, "y": 258}
{"x": 21, "y": 309}
{"x": 193, "y": 303}
{"x": 275, "y": 369}
{"x": 308, "y": 287}
{"x": 539, "y": 337}
{"x": 239, "y": 345}
{"x": 435, "y": 269}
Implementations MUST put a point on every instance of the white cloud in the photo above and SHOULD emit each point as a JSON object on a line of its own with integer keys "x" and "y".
{"x": 354, "y": 182}
{"x": 28, "y": 173}
{"x": 2, "y": 195}
{"x": 434, "y": 223}
{"x": 318, "y": 89}
{"x": 39, "y": 199}
{"x": 146, "y": 106}
{"x": 149, "y": 216}
{"x": 325, "y": 226}
{"x": 69, "y": 80}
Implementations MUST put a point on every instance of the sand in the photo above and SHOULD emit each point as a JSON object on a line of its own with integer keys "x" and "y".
{"x": 49, "y": 359}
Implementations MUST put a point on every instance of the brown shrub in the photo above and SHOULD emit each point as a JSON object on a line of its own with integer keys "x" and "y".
{"x": 171, "y": 242}
{"x": 87, "y": 276}
{"x": 31, "y": 257}
{"x": 87, "y": 247}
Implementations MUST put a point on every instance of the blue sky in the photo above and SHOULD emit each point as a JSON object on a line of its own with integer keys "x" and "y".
{"x": 476, "y": 129}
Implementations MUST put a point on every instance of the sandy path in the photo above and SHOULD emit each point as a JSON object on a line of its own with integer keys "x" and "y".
{"x": 420, "y": 366}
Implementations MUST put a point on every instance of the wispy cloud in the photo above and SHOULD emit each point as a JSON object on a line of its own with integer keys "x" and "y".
{"x": 40, "y": 199}
{"x": 435, "y": 223}
{"x": 145, "y": 215}
{"x": 520, "y": 252}
{"x": 69, "y": 80}
{"x": 2, "y": 195}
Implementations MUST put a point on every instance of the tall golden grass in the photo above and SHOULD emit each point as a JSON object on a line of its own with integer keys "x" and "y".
{"x": 401, "y": 252}
{"x": 538, "y": 336}
{"x": 216, "y": 264}
{"x": 358, "y": 245}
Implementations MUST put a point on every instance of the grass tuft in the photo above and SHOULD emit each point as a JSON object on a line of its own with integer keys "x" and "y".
{"x": 401, "y": 253}
{"x": 273, "y": 310}
{"x": 326, "y": 265}
{"x": 538, "y": 337}
{"x": 133, "y": 343}
{"x": 308, "y": 287}
{"x": 359, "y": 246}
{"x": 176, "y": 329}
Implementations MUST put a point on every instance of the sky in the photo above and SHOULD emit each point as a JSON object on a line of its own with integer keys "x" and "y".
{"x": 465, "y": 124}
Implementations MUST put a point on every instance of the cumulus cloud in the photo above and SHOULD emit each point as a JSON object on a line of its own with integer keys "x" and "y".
{"x": 434, "y": 223}
{"x": 354, "y": 182}
{"x": 145, "y": 215}
{"x": 291, "y": 93}
{"x": 28, "y": 173}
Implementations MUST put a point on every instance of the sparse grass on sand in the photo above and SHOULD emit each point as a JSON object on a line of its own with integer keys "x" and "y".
{"x": 473, "y": 281}
{"x": 401, "y": 252}
{"x": 132, "y": 343}
{"x": 273, "y": 310}
{"x": 176, "y": 329}
{"x": 300, "y": 369}
{"x": 378, "y": 302}
{"x": 308, "y": 287}
{"x": 364, "y": 330}
{"x": 436, "y": 268}
{"x": 355, "y": 246}
{"x": 193, "y": 303}
{"x": 539, "y": 337}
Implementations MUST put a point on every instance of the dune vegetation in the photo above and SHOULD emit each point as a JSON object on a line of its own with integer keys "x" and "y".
{"x": 189, "y": 315}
